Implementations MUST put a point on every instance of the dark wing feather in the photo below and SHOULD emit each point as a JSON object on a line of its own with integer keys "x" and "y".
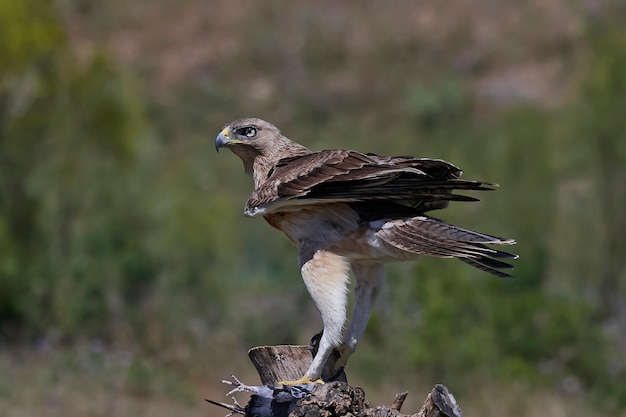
{"x": 349, "y": 176}
{"x": 484, "y": 264}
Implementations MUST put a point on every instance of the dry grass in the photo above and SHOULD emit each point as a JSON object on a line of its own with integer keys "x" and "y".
{"x": 87, "y": 381}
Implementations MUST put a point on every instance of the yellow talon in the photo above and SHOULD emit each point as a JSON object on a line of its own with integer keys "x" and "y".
{"x": 302, "y": 381}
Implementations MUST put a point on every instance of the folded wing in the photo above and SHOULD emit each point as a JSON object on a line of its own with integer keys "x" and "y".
{"x": 349, "y": 176}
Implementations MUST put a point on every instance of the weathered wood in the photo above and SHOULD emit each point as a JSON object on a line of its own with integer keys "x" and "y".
{"x": 399, "y": 401}
{"x": 289, "y": 363}
{"x": 340, "y": 399}
{"x": 440, "y": 402}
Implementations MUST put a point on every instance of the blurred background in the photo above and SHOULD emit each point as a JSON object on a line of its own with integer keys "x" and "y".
{"x": 130, "y": 281}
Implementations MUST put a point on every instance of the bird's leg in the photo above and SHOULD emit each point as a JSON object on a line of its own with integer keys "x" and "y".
{"x": 326, "y": 276}
{"x": 368, "y": 284}
{"x": 314, "y": 373}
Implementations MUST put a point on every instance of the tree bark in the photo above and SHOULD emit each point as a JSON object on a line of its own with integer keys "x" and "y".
{"x": 276, "y": 363}
{"x": 289, "y": 362}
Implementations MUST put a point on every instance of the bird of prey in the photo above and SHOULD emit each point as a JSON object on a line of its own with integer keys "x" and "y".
{"x": 346, "y": 210}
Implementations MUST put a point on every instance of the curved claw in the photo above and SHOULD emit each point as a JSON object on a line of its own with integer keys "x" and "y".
{"x": 302, "y": 381}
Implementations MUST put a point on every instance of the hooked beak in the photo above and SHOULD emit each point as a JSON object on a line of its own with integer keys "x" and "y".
{"x": 222, "y": 139}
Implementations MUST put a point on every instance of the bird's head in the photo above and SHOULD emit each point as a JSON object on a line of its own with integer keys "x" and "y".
{"x": 247, "y": 136}
{"x": 258, "y": 143}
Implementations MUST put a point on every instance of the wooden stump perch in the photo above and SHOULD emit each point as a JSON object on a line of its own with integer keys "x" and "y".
{"x": 288, "y": 363}
{"x": 337, "y": 398}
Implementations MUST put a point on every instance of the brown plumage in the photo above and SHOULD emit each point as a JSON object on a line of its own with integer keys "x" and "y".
{"x": 349, "y": 210}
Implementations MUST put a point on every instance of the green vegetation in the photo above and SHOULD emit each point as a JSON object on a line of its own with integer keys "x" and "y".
{"x": 121, "y": 229}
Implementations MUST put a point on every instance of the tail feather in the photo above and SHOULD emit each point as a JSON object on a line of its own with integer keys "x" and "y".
{"x": 499, "y": 253}
{"x": 424, "y": 235}
{"x": 478, "y": 263}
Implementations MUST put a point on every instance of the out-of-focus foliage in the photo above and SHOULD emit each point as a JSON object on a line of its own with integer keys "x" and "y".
{"x": 563, "y": 318}
{"x": 69, "y": 231}
{"x": 104, "y": 233}
{"x": 120, "y": 226}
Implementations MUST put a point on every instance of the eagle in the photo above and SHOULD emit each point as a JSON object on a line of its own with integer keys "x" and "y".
{"x": 348, "y": 211}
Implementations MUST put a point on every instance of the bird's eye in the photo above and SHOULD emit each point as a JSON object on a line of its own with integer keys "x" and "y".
{"x": 248, "y": 131}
